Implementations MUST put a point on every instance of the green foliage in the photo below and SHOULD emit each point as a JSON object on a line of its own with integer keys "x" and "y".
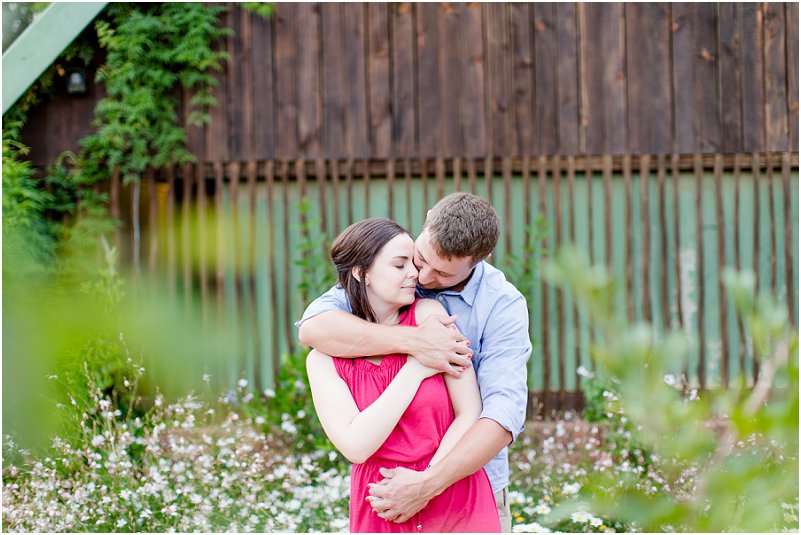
{"x": 741, "y": 445}
{"x": 523, "y": 270}
{"x": 316, "y": 271}
{"x": 263, "y": 9}
{"x": 152, "y": 50}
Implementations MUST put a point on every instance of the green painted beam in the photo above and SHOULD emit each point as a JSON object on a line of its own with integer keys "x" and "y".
{"x": 41, "y": 43}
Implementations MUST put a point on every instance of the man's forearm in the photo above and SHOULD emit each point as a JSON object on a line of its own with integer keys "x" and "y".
{"x": 476, "y": 448}
{"x": 342, "y": 334}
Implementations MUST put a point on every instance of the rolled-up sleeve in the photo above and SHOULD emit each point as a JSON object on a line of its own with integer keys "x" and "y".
{"x": 503, "y": 368}
{"x": 333, "y": 299}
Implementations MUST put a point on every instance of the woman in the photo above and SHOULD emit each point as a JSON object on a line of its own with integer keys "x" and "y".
{"x": 384, "y": 412}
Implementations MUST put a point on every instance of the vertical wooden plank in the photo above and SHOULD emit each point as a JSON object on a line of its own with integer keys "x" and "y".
{"x": 234, "y": 177}
{"x": 378, "y": 80}
{"x": 489, "y": 176}
{"x": 523, "y": 78}
{"x": 699, "y": 229}
{"x": 269, "y": 172}
{"x": 724, "y": 307}
{"x": 365, "y": 174}
{"x": 407, "y": 181}
{"x": 216, "y": 143}
{"x": 506, "y": 166}
{"x": 457, "y": 174}
{"x": 556, "y": 176}
{"x": 546, "y": 344}
{"x": 286, "y": 64}
{"x": 645, "y": 164}
{"x": 571, "y": 186}
{"x": 791, "y": 26}
{"x": 349, "y": 188}
{"x": 769, "y": 176}
{"x": 284, "y": 174}
{"x": 756, "y": 233}
{"x": 253, "y": 311}
{"x": 247, "y": 82}
{"x": 320, "y": 182}
{"x": 663, "y": 243}
{"x": 309, "y": 91}
{"x": 356, "y": 123}
{"x": 527, "y": 200}
{"x": 263, "y": 90}
{"x": 424, "y": 182}
{"x": 334, "y": 166}
{"x": 603, "y": 78}
{"x": 788, "y": 248}
{"x": 545, "y": 90}
{"x": 707, "y": 103}
{"x": 235, "y": 88}
{"x": 499, "y": 98}
{"x": 753, "y": 78}
{"x": 588, "y": 172}
{"x": 300, "y": 180}
{"x": 202, "y": 245}
{"x": 629, "y": 244}
{"x": 674, "y": 171}
{"x": 334, "y": 81}
{"x": 473, "y": 105}
{"x": 439, "y": 169}
{"x": 219, "y": 218}
{"x": 683, "y": 53}
{"x": 428, "y": 94}
{"x": 607, "y": 175}
{"x": 567, "y": 78}
{"x": 737, "y": 260}
{"x": 391, "y": 187}
{"x": 186, "y": 249}
{"x": 471, "y": 175}
{"x": 403, "y": 80}
{"x": 730, "y": 49}
{"x": 450, "y": 75}
{"x": 648, "y": 68}
{"x": 776, "y": 126}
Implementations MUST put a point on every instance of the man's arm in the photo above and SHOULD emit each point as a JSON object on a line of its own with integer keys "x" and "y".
{"x": 328, "y": 326}
{"x": 404, "y": 492}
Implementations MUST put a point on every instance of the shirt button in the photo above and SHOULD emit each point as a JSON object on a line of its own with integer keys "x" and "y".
{"x": 441, "y": 298}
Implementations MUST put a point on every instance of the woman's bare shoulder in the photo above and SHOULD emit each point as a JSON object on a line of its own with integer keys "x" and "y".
{"x": 428, "y": 307}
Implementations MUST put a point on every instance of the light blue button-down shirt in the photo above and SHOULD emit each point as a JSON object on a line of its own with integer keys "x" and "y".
{"x": 493, "y": 315}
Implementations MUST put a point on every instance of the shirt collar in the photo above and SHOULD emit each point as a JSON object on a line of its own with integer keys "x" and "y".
{"x": 468, "y": 293}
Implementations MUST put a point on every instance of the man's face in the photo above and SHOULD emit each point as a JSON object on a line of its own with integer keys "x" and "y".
{"x": 436, "y": 273}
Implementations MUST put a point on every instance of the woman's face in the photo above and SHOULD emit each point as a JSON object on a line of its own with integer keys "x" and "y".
{"x": 392, "y": 278}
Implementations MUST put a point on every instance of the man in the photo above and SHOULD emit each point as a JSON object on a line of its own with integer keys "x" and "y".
{"x": 460, "y": 232}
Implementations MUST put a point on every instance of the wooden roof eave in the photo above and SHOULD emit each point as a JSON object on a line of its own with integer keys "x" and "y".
{"x": 41, "y": 43}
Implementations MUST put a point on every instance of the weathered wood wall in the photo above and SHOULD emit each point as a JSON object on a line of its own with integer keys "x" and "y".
{"x": 379, "y": 80}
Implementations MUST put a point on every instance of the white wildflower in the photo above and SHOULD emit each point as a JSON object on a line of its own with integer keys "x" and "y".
{"x": 242, "y": 383}
{"x": 580, "y": 517}
{"x": 584, "y": 372}
{"x": 670, "y": 379}
{"x": 571, "y": 489}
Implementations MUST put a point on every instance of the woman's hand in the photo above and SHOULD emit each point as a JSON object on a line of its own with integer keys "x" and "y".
{"x": 419, "y": 370}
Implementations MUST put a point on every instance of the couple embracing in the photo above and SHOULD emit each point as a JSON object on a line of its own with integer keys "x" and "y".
{"x": 419, "y": 370}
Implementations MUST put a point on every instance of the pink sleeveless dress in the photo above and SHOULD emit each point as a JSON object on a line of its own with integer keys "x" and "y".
{"x": 466, "y": 506}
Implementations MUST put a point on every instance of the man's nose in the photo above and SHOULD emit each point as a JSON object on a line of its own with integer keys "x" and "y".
{"x": 424, "y": 277}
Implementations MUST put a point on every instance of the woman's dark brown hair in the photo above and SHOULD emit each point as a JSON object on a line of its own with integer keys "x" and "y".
{"x": 358, "y": 246}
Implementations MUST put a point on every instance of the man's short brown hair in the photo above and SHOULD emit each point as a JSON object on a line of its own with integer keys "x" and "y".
{"x": 463, "y": 225}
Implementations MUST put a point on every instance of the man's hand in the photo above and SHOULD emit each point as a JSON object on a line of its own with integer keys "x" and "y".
{"x": 401, "y": 495}
{"x": 439, "y": 344}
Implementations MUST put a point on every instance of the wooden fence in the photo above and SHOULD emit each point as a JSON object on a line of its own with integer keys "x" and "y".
{"x": 472, "y": 80}
{"x": 665, "y": 225}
